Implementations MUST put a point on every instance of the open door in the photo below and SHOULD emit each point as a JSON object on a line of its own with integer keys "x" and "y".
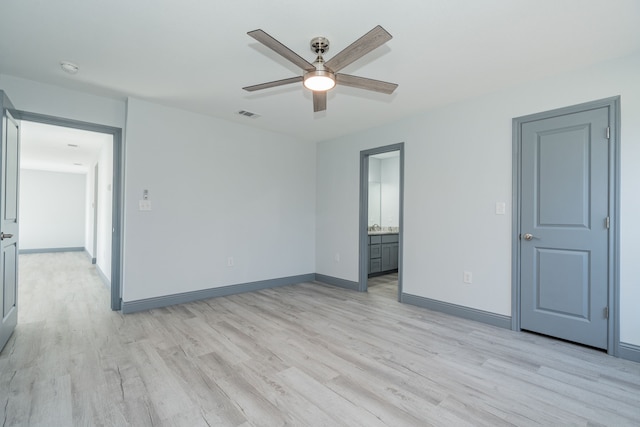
{"x": 9, "y": 169}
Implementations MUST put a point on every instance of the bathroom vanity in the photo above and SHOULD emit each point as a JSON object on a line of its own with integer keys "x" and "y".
{"x": 383, "y": 253}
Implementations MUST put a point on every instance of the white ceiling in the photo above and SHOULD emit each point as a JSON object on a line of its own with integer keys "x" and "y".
{"x": 59, "y": 149}
{"x": 196, "y": 55}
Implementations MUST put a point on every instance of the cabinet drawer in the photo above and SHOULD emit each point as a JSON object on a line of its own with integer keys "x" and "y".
{"x": 375, "y": 239}
{"x": 375, "y": 251}
{"x": 389, "y": 238}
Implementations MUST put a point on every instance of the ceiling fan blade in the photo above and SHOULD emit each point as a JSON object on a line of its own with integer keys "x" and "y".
{"x": 281, "y": 49}
{"x": 273, "y": 84}
{"x": 319, "y": 101}
{"x": 365, "y": 44}
{"x": 364, "y": 83}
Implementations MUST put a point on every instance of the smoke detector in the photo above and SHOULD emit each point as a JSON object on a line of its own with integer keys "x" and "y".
{"x": 69, "y": 67}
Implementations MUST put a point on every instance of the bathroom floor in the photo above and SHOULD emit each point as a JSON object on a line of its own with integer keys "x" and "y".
{"x": 385, "y": 285}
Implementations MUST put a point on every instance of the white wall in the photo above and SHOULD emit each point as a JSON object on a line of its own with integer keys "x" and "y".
{"x": 235, "y": 191}
{"x": 457, "y": 166}
{"x": 52, "y": 209}
{"x": 89, "y": 210}
{"x": 41, "y": 98}
{"x": 217, "y": 190}
{"x": 105, "y": 207}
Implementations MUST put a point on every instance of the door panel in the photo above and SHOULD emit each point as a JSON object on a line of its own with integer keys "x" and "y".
{"x": 10, "y": 276}
{"x": 564, "y": 204}
{"x": 9, "y": 167}
{"x": 562, "y": 272}
{"x": 563, "y": 187}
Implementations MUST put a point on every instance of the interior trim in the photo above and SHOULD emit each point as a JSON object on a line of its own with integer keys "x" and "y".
{"x": 469, "y": 313}
{"x": 167, "y": 300}
{"x": 50, "y": 250}
{"x": 335, "y": 281}
{"x": 629, "y": 352}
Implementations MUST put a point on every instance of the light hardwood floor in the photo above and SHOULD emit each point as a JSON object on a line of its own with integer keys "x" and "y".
{"x": 298, "y": 355}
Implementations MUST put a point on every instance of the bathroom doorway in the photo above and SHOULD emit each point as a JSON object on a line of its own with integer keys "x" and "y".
{"x": 381, "y": 217}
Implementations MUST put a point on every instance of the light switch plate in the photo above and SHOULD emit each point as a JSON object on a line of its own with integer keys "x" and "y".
{"x": 501, "y": 208}
{"x": 145, "y": 205}
{"x": 467, "y": 277}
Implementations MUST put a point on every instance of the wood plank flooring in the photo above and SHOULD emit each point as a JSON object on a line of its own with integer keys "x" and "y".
{"x": 302, "y": 355}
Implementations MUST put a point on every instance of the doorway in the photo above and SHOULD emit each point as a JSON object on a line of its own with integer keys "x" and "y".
{"x": 110, "y": 199}
{"x": 381, "y": 216}
{"x": 565, "y": 223}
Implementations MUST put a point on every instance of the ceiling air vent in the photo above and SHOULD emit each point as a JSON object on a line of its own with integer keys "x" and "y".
{"x": 248, "y": 114}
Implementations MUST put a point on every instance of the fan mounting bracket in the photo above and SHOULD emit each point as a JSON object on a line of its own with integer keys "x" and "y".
{"x": 319, "y": 45}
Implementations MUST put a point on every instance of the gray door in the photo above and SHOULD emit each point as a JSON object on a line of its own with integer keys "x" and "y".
{"x": 9, "y": 168}
{"x": 564, "y": 227}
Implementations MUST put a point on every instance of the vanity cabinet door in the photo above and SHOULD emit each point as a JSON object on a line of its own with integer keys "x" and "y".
{"x": 374, "y": 265}
{"x": 394, "y": 256}
{"x": 389, "y": 256}
{"x": 375, "y": 251}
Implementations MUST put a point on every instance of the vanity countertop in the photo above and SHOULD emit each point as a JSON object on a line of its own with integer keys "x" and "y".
{"x": 377, "y": 233}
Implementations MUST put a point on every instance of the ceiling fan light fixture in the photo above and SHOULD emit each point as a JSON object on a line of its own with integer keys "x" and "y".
{"x": 319, "y": 80}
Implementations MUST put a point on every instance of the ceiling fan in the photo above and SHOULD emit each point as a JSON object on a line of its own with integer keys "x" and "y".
{"x": 322, "y": 76}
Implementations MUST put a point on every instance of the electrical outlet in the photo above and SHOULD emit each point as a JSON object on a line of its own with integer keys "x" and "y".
{"x": 230, "y": 261}
{"x": 467, "y": 277}
{"x": 337, "y": 257}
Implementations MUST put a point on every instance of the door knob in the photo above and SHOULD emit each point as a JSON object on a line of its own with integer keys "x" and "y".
{"x": 5, "y": 236}
{"x": 528, "y": 236}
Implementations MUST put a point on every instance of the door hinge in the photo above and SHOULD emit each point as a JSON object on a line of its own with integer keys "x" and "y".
{"x": 607, "y": 222}
{"x": 608, "y": 132}
{"x": 605, "y": 312}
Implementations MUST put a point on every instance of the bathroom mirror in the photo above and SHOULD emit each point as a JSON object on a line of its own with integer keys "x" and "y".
{"x": 374, "y": 203}
{"x": 384, "y": 183}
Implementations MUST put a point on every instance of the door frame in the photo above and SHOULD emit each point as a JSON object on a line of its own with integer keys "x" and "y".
{"x": 613, "y": 105}
{"x": 117, "y": 212}
{"x": 363, "y": 263}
